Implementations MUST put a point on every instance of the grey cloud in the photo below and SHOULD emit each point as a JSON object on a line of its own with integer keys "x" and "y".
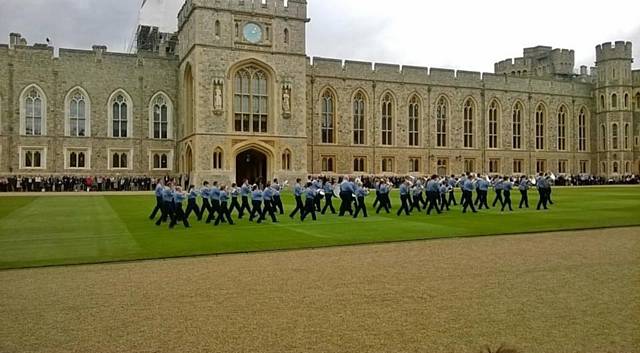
{"x": 70, "y": 23}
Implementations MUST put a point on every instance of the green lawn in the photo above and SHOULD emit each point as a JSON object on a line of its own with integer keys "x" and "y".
{"x": 45, "y": 230}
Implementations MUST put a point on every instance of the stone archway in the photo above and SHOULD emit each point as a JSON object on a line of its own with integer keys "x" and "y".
{"x": 251, "y": 164}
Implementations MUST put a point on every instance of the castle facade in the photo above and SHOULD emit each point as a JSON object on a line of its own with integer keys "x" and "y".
{"x": 232, "y": 95}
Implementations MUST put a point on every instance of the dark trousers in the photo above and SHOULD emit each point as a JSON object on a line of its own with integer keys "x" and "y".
{"x": 423, "y": 201}
{"x": 156, "y": 209}
{"x": 167, "y": 212}
{"x": 309, "y": 207}
{"x": 224, "y": 213}
{"x": 299, "y": 207}
{"x": 235, "y": 205}
{"x": 360, "y": 206}
{"x": 244, "y": 207}
{"x": 416, "y": 203}
{"x": 483, "y": 199}
{"x": 206, "y": 206}
{"x": 432, "y": 197}
{"x": 443, "y": 202}
{"x": 345, "y": 204}
{"x": 506, "y": 200}
{"x": 277, "y": 203}
{"x": 524, "y": 199}
{"x": 498, "y": 198}
{"x": 256, "y": 211}
{"x": 317, "y": 201}
{"x": 542, "y": 202}
{"x": 268, "y": 208}
{"x": 467, "y": 201}
{"x": 215, "y": 209}
{"x": 548, "y": 193}
{"x": 452, "y": 198}
{"x": 328, "y": 203}
{"x": 478, "y": 197}
{"x": 179, "y": 216}
{"x": 192, "y": 206}
{"x": 404, "y": 205}
{"x": 377, "y": 200}
{"x": 383, "y": 203}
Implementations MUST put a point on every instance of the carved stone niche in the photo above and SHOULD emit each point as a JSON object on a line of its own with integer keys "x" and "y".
{"x": 286, "y": 100}
{"x": 218, "y": 95}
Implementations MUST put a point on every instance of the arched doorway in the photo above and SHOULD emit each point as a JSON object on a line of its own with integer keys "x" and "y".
{"x": 188, "y": 161}
{"x": 251, "y": 164}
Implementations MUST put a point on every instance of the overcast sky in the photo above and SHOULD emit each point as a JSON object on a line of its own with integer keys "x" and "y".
{"x": 459, "y": 34}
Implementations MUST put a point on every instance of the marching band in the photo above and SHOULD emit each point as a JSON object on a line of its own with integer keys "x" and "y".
{"x": 220, "y": 201}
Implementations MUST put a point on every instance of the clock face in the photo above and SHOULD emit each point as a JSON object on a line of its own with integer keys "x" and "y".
{"x": 252, "y": 33}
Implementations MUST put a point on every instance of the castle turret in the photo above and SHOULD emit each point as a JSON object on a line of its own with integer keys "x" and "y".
{"x": 612, "y": 93}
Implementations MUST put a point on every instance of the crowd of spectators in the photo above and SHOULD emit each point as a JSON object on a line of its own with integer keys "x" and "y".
{"x": 146, "y": 183}
{"x": 77, "y": 183}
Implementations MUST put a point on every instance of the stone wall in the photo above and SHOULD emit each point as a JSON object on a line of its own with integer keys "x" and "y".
{"x": 99, "y": 74}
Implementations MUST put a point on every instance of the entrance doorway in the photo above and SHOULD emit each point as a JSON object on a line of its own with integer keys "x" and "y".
{"x": 252, "y": 165}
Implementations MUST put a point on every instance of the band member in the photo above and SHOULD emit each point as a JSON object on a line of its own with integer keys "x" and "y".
{"x": 328, "y": 196}
{"x": 361, "y": 205}
{"x": 548, "y": 189}
{"x": 167, "y": 204}
{"x": 215, "y": 202}
{"x": 376, "y": 185}
{"x": 224, "y": 209}
{"x": 245, "y": 191}
{"x": 277, "y": 201}
{"x": 192, "y": 205}
{"x": 267, "y": 196}
{"x": 256, "y": 201}
{"x": 346, "y": 197}
{"x": 205, "y": 193}
{"x": 443, "y": 196}
{"x": 384, "y": 195}
{"x": 297, "y": 193}
{"x": 506, "y": 193}
{"x": 482, "y": 187}
{"x": 452, "y": 187}
{"x": 416, "y": 196}
{"x": 497, "y": 186}
{"x": 317, "y": 186}
{"x": 158, "y": 193}
{"x": 542, "y": 191}
{"x": 433, "y": 191}
{"x": 524, "y": 188}
{"x": 467, "y": 194}
{"x": 404, "y": 199}
{"x": 235, "y": 205}
{"x": 461, "y": 182}
{"x": 309, "y": 203}
{"x": 178, "y": 198}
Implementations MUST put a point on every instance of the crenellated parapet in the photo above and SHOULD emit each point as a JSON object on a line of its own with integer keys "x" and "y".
{"x": 290, "y": 9}
{"x": 370, "y": 71}
{"x": 621, "y": 50}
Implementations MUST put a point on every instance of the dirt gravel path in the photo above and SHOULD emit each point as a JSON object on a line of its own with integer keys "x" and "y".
{"x": 553, "y": 292}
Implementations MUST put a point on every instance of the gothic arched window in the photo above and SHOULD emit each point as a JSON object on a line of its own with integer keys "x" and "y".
{"x": 442, "y": 115}
{"x": 582, "y": 131}
{"x": 469, "y": 118}
{"x": 562, "y": 129}
{"x": 359, "y": 119}
{"x": 493, "y": 124}
{"x": 387, "y": 120}
{"x": 328, "y": 117}
{"x": 251, "y": 100}
{"x": 517, "y": 126}
{"x": 540, "y": 127}
{"x": 414, "y": 121}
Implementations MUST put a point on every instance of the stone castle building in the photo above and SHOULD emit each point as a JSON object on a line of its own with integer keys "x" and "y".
{"x": 232, "y": 94}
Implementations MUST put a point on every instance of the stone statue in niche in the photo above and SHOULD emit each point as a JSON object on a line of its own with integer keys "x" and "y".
{"x": 286, "y": 101}
{"x": 217, "y": 98}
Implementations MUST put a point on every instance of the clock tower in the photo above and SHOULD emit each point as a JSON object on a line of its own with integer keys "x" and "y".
{"x": 242, "y": 111}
